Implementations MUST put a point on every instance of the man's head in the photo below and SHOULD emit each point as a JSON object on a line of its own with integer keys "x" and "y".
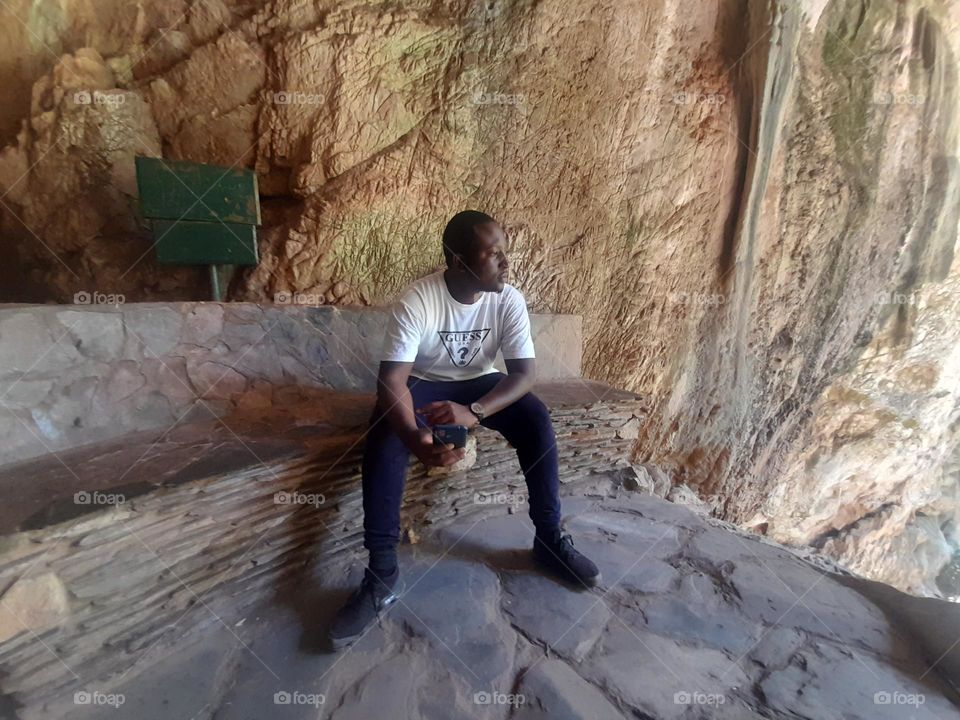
{"x": 474, "y": 244}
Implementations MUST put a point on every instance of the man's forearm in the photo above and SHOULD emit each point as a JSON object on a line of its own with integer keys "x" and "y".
{"x": 396, "y": 403}
{"x": 506, "y": 392}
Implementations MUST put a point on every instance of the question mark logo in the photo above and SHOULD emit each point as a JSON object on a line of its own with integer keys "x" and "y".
{"x": 463, "y": 354}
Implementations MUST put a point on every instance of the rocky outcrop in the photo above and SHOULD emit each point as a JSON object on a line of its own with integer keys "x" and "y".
{"x": 69, "y": 195}
{"x": 871, "y": 479}
{"x": 691, "y": 621}
{"x": 874, "y": 481}
{"x": 720, "y": 189}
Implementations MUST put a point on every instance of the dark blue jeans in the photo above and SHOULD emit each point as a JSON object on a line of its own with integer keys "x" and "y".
{"x": 525, "y": 425}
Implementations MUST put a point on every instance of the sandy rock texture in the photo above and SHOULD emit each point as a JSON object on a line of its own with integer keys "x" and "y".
{"x": 69, "y": 191}
{"x": 720, "y": 189}
{"x": 874, "y": 480}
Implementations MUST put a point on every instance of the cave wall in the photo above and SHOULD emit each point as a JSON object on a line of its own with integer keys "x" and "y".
{"x": 853, "y": 447}
{"x": 721, "y": 190}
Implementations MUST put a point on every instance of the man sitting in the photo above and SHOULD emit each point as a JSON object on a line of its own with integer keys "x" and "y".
{"x": 437, "y": 363}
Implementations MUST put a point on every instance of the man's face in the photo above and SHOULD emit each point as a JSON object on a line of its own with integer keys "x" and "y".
{"x": 487, "y": 262}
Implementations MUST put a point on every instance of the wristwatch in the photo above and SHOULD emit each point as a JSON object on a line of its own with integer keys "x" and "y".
{"x": 477, "y": 409}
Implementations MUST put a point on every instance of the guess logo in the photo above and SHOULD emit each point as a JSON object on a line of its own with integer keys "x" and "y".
{"x": 463, "y": 345}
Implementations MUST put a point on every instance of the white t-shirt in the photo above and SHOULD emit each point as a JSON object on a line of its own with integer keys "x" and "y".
{"x": 449, "y": 340}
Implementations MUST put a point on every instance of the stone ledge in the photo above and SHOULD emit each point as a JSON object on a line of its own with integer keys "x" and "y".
{"x": 284, "y": 424}
{"x": 99, "y": 371}
{"x": 141, "y": 572}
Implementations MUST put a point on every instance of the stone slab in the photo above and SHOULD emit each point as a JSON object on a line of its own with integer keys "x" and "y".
{"x": 144, "y": 365}
{"x": 450, "y": 648}
{"x": 566, "y": 621}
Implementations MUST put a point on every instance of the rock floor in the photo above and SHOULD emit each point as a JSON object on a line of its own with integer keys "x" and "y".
{"x": 690, "y": 621}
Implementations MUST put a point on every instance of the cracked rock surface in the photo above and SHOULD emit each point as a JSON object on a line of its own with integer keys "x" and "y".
{"x": 690, "y": 621}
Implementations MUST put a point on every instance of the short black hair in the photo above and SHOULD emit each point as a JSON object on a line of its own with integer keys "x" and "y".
{"x": 458, "y": 235}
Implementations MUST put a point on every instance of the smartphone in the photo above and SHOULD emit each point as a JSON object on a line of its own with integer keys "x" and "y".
{"x": 446, "y": 434}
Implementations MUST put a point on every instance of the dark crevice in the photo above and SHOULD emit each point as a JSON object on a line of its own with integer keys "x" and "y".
{"x": 735, "y": 50}
{"x": 924, "y": 40}
{"x": 820, "y": 540}
{"x": 731, "y": 225}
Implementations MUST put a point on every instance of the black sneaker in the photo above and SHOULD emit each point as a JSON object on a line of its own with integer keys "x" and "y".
{"x": 561, "y": 557}
{"x": 363, "y": 607}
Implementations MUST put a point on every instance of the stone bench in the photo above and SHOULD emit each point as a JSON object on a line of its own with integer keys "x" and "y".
{"x": 70, "y": 376}
{"x": 218, "y": 514}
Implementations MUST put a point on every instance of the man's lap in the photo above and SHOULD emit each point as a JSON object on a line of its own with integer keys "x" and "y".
{"x": 464, "y": 392}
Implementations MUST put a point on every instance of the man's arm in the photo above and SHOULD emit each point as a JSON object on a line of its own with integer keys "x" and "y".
{"x": 521, "y": 375}
{"x": 394, "y": 401}
{"x": 395, "y": 406}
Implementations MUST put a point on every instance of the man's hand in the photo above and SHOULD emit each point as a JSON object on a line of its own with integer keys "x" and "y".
{"x": 433, "y": 455}
{"x": 446, "y": 412}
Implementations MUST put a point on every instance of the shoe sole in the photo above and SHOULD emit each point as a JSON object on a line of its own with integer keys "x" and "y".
{"x": 589, "y": 582}
{"x": 340, "y": 643}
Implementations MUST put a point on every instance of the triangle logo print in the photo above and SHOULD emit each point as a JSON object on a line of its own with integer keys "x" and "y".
{"x": 463, "y": 345}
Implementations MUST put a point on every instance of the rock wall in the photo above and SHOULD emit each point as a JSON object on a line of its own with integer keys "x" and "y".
{"x": 720, "y": 189}
{"x": 871, "y": 478}
{"x": 874, "y": 478}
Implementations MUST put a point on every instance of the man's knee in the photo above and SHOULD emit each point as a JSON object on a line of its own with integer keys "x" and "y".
{"x": 535, "y": 409}
{"x": 533, "y": 417}
{"x": 381, "y": 442}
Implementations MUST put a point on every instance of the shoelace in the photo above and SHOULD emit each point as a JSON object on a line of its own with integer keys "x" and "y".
{"x": 368, "y": 586}
{"x": 565, "y": 547}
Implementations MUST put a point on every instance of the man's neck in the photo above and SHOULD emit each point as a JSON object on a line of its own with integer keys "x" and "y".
{"x": 460, "y": 292}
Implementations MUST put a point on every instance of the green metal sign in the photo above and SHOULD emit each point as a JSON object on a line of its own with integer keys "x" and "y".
{"x": 176, "y": 189}
{"x": 204, "y": 243}
{"x": 200, "y": 214}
